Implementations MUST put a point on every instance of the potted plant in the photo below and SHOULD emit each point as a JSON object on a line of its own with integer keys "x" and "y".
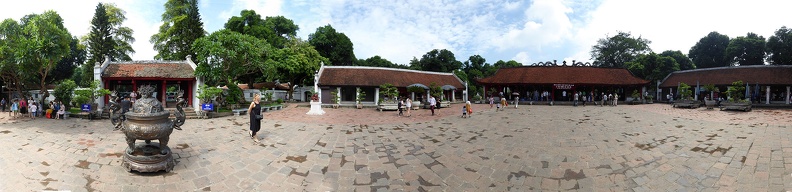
{"x": 649, "y": 99}
{"x": 686, "y": 97}
{"x": 360, "y": 96}
{"x": 477, "y": 98}
{"x": 735, "y": 100}
{"x": 709, "y": 102}
{"x": 416, "y": 90}
{"x": 390, "y": 92}
{"x": 335, "y": 99}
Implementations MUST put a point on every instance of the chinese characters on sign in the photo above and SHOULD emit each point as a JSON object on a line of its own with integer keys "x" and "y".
{"x": 563, "y": 86}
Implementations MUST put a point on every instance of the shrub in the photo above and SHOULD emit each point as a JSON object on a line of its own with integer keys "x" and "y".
{"x": 736, "y": 92}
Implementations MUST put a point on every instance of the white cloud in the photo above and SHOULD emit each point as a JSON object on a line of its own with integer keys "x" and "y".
{"x": 679, "y": 24}
{"x": 522, "y": 57}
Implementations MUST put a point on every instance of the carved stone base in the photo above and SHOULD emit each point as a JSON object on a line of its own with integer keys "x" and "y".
{"x": 147, "y": 158}
{"x": 316, "y": 109}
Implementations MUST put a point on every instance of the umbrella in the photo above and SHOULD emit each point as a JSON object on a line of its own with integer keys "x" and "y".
{"x": 419, "y": 85}
{"x": 448, "y": 87}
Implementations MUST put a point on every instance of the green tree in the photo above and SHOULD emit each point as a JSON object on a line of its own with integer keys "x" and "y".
{"x": 684, "y": 91}
{"x": 388, "y": 90}
{"x": 64, "y": 92}
{"x": 439, "y": 61}
{"x": 333, "y": 45}
{"x": 295, "y": 63}
{"x": 224, "y": 55}
{"x": 275, "y": 30}
{"x": 122, "y": 36}
{"x": 617, "y": 50}
{"x": 746, "y": 50}
{"x": 710, "y": 51}
{"x": 46, "y": 42}
{"x": 181, "y": 27}
{"x": 377, "y": 61}
{"x": 10, "y": 67}
{"x": 652, "y": 66}
{"x": 684, "y": 62}
{"x": 283, "y": 28}
{"x": 736, "y": 92}
{"x": 779, "y": 47}
{"x": 99, "y": 40}
{"x": 68, "y": 65}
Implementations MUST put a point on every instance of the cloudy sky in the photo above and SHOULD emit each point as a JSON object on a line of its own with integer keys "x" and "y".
{"x": 398, "y": 30}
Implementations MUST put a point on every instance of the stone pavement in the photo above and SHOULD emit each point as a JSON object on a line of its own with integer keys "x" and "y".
{"x": 625, "y": 148}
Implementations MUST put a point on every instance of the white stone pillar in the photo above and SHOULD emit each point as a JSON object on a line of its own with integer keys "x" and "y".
{"x": 748, "y": 92}
{"x": 786, "y": 99}
{"x": 412, "y": 96}
{"x": 338, "y": 94}
{"x": 453, "y": 96}
{"x": 767, "y": 96}
{"x": 357, "y": 94}
{"x": 376, "y": 96}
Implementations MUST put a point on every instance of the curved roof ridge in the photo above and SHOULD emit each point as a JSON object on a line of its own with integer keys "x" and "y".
{"x": 388, "y": 68}
{"x": 149, "y": 62}
{"x": 734, "y": 67}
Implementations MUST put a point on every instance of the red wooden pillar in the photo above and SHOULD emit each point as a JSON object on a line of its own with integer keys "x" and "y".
{"x": 106, "y": 98}
{"x": 188, "y": 94}
{"x": 134, "y": 86}
{"x": 163, "y": 95}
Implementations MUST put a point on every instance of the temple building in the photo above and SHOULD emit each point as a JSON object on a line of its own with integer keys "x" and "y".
{"x": 765, "y": 84}
{"x": 167, "y": 77}
{"x": 562, "y": 81}
{"x": 344, "y": 81}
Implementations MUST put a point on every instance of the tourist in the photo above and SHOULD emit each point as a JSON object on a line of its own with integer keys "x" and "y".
{"x": 492, "y": 101}
{"x": 255, "y": 112}
{"x": 40, "y": 111}
{"x": 48, "y": 115}
{"x": 615, "y": 99}
{"x": 14, "y": 108}
{"x": 575, "y": 99}
{"x": 516, "y": 99}
{"x": 23, "y": 106}
{"x": 504, "y": 103}
{"x": 469, "y": 108}
{"x": 604, "y": 99}
{"x": 3, "y": 104}
{"x": 464, "y": 111}
{"x": 33, "y": 109}
{"x": 432, "y": 104}
{"x": 498, "y": 105}
{"x": 133, "y": 96}
{"x": 61, "y": 110}
{"x": 409, "y": 106}
{"x": 400, "y": 105}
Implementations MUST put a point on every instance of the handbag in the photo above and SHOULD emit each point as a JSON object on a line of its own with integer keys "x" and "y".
{"x": 259, "y": 117}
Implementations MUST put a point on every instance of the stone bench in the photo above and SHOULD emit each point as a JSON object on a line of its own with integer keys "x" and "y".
{"x": 239, "y": 111}
{"x": 388, "y": 107}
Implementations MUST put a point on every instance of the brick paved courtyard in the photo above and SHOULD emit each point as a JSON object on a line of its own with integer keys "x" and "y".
{"x": 625, "y": 148}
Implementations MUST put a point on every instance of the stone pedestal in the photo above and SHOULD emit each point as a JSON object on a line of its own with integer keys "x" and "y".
{"x": 316, "y": 109}
{"x": 146, "y": 157}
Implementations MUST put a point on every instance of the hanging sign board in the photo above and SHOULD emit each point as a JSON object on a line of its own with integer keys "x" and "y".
{"x": 563, "y": 86}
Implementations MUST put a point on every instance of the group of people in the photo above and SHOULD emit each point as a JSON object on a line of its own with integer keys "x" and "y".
{"x": 406, "y": 104}
{"x": 28, "y": 108}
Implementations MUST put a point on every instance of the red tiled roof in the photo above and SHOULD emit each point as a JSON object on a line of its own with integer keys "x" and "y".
{"x": 161, "y": 69}
{"x": 761, "y": 74}
{"x": 562, "y": 74}
{"x": 376, "y": 76}
{"x": 264, "y": 85}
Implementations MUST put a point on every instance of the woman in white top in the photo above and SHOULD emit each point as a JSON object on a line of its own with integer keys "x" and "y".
{"x": 33, "y": 110}
{"x": 408, "y": 103}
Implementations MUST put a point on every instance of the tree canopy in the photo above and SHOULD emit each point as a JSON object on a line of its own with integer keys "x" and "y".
{"x": 652, "y": 66}
{"x": 683, "y": 60}
{"x": 779, "y": 47}
{"x": 333, "y": 45}
{"x": 295, "y": 63}
{"x": 107, "y": 38}
{"x": 225, "y": 55}
{"x": 377, "y": 61}
{"x": 181, "y": 26}
{"x": 275, "y": 30}
{"x": 746, "y": 50}
{"x": 438, "y": 61}
{"x": 617, "y": 50}
{"x": 45, "y": 43}
{"x": 710, "y": 51}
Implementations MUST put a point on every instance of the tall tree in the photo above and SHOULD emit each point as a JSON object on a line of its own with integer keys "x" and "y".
{"x": 779, "y": 47}
{"x": 684, "y": 62}
{"x": 122, "y": 36}
{"x": 746, "y": 50}
{"x": 296, "y": 63}
{"x": 333, "y": 45}
{"x": 283, "y": 30}
{"x": 225, "y": 55}
{"x": 46, "y": 42}
{"x": 107, "y": 38}
{"x": 710, "y": 51}
{"x": 10, "y": 67}
{"x": 68, "y": 64}
{"x": 181, "y": 26}
{"x": 617, "y": 50}
{"x": 652, "y": 66}
{"x": 439, "y": 61}
{"x": 377, "y": 61}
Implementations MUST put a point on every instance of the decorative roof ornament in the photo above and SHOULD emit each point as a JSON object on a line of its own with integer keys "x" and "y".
{"x": 146, "y": 91}
{"x": 563, "y": 64}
